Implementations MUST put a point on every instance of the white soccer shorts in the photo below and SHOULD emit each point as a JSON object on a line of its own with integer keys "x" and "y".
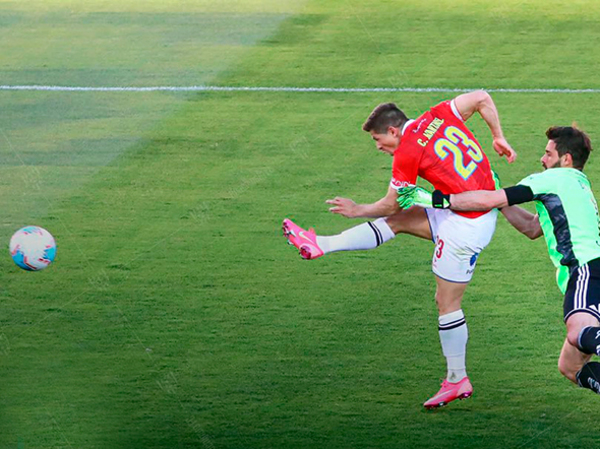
{"x": 458, "y": 242}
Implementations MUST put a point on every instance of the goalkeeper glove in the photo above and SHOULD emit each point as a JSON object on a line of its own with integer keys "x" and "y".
{"x": 417, "y": 196}
{"x": 497, "y": 183}
{"x": 413, "y": 196}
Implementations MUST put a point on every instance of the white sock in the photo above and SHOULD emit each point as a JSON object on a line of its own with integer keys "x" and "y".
{"x": 454, "y": 335}
{"x": 364, "y": 236}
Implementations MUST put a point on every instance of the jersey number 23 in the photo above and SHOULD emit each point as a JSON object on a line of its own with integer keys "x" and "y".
{"x": 451, "y": 143}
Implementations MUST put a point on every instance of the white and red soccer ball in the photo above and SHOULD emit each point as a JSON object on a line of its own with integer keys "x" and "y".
{"x": 32, "y": 248}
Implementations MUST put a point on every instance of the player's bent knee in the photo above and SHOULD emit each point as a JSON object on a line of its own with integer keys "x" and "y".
{"x": 393, "y": 222}
{"x": 397, "y": 221}
{"x": 573, "y": 337}
{"x": 410, "y": 221}
{"x": 567, "y": 371}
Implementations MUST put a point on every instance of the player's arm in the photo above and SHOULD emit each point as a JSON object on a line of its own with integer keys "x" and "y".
{"x": 523, "y": 221}
{"x": 387, "y": 205}
{"x": 481, "y": 200}
{"x": 476, "y": 200}
{"x": 481, "y": 102}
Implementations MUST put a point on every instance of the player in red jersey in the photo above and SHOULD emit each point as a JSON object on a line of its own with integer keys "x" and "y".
{"x": 438, "y": 147}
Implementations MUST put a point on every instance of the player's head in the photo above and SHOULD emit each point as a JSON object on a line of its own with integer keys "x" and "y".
{"x": 567, "y": 147}
{"x": 385, "y": 125}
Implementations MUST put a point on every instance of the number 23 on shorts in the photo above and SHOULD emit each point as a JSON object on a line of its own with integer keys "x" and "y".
{"x": 439, "y": 248}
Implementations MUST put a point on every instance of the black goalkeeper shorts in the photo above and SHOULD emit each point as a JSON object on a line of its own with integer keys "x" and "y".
{"x": 583, "y": 290}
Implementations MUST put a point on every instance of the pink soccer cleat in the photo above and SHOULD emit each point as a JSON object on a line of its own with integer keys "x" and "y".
{"x": 305, "y": 241}
{"x": 449, "y": 392}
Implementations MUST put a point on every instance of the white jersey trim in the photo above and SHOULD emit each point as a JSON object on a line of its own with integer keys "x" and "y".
{"x": 406, "y": 125}
{"x": 397, "y": 185}
{"x": 456, "y": 112}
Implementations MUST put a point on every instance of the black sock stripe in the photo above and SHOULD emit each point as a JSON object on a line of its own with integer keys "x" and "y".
{"x": 376, "y": 232}
{"x": 452, "y": 322}
{"x": 380, "y": 234}
{"x": 447, "y": 327}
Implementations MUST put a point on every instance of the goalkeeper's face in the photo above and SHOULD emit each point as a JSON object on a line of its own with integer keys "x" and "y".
{"x": 552, "y": 159}
{"x": 387, "y": 142}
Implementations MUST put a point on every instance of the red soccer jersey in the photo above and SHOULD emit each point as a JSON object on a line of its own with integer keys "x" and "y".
{"x": 439, "y": 148}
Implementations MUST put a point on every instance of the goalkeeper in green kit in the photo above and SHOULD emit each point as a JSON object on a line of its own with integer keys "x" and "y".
{"x": 567, "y": 215}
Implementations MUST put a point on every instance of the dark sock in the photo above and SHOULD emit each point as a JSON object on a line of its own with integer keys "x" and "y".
{"x": 589, "y": 340}
{"x": 589, "y": 376}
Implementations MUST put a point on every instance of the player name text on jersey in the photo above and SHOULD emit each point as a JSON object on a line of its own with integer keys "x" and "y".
{"x": 430, "y": 130}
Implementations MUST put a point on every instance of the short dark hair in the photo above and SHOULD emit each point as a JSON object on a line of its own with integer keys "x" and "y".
{"x": 569, "y": 139}
{"x": 384, "y": 116}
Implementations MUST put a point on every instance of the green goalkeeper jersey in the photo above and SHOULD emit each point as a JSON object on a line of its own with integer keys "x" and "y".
{"x": 569, "y": 218}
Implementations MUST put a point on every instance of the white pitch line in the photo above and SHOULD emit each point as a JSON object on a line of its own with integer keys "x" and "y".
{"x": 286, "y": 89}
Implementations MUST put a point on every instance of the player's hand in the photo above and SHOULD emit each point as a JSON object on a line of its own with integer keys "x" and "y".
{"x": 413, "y": 196}
{"x": 503, "y": 148}
{"x": 343, "y": 206}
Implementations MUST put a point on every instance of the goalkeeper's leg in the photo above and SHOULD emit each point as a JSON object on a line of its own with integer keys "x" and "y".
{"x": 574, "y": 362}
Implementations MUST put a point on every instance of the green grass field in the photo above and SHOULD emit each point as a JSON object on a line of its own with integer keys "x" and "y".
{"x": 175, "y": 315}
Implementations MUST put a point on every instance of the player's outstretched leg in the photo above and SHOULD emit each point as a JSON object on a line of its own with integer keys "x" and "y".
{"x": 362, "y": 237}
{"x": 304, "y": 240}
{"x": 365, "y": 236}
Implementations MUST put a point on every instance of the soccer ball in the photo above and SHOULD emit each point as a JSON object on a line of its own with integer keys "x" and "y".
{"x": 32, "y": 248}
